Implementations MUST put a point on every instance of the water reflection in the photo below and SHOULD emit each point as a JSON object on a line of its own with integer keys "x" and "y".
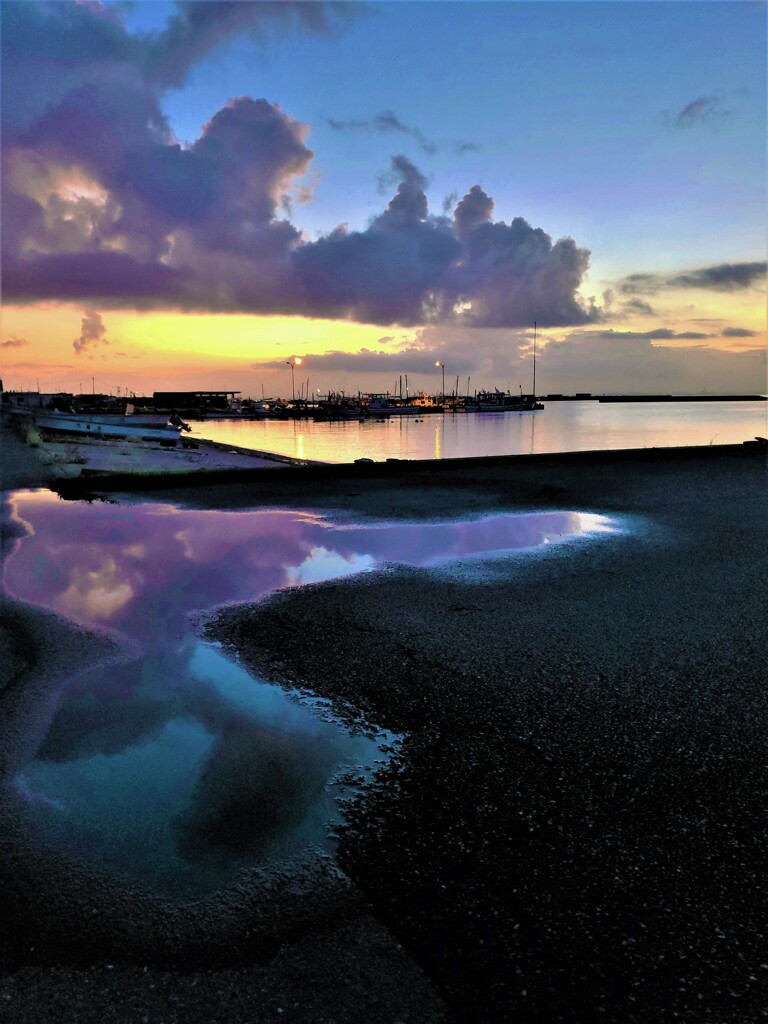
{"x": 561, "y": 426}
{"x": 177, "y": 768}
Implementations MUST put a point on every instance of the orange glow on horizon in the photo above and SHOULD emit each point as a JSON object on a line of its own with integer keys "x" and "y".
{"x": 169, "y": 350}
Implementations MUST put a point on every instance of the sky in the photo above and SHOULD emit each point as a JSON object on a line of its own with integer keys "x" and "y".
{"x": 197, "y": 194}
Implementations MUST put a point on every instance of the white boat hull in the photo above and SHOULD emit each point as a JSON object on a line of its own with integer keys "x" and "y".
{"x": 103, "y": 426}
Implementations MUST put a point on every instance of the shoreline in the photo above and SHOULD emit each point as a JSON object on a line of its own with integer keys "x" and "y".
{"x": 583, "y": 727}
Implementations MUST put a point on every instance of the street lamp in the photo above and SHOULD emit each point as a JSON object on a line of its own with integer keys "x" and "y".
{"x": 442, "y": 366}
{"x": 293, "y": 363}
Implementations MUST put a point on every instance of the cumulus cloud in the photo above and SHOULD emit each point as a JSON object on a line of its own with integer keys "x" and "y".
{"x": 103, "y": 205}
{"x": 92, "y": 332}
{"x": 14, "y": 343}
{"x": 725, "y": 277}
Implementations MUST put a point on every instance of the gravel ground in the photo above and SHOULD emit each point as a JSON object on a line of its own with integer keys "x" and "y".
{"x": 573, "y": 828}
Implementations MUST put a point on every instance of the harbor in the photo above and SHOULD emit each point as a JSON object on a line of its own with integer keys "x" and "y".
{"x": 213, "y": 439}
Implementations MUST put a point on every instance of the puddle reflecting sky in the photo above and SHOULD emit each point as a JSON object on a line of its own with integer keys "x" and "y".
{"x": 178, "y": 768}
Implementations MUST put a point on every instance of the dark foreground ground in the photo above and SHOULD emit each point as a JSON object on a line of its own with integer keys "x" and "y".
{"x": 574, "y": 827}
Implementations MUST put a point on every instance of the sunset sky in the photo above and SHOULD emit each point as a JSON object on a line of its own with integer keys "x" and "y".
{"x": 196, "y": 193}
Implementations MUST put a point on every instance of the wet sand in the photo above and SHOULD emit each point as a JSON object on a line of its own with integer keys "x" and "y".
{"x": 573, "y": 828}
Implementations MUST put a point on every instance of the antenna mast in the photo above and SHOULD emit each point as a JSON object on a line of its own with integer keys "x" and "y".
{"x": 534, "y": 360}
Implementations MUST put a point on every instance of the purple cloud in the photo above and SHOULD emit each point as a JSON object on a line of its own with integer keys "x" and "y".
{"x": 103, "y": 205}
{"x": 724, "y": 277}
{"x": 14, "y": 343}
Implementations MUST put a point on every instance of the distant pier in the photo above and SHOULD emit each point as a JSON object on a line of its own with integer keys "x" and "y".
{"x": 582, "y": 396}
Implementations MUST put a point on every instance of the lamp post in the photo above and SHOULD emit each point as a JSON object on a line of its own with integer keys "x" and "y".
{"x": 293, "y": 363}
{"x": 442, "y": 367}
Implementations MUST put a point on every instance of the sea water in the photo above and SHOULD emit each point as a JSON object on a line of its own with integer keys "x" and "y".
{"x": 559, "y": 427}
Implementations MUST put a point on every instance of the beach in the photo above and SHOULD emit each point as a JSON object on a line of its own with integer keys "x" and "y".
{"x": 572, "y": 828}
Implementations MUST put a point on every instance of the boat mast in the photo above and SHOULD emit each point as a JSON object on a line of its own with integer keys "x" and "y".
{"x": 534, "y": 359}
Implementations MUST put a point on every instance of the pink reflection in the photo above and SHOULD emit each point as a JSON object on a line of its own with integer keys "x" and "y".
{"x": 143, "y": 568}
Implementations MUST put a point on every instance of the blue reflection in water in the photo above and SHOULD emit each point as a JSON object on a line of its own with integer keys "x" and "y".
{"x": 178, "y": 768}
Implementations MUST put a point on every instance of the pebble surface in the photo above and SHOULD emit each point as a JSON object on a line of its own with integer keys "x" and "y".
{"x": 573, "y": 827}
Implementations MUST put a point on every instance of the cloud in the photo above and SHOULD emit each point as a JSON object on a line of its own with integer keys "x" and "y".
{"x": 14, "y": 343}
{"x": 40, "y": 367}
{"x": 596, "y": 360}
{"x": 387, "y": 122}
{"x": 638, "y": 306}
{"x": 703, "y": 110}
{"x": 384, "y": 123}
{"x": 198, "y": 28}
{"x": 738, "y": 332}
{"x": 726, "y": 277}
{"x": 605, "y": 361}
{"x": 92, "y": 332}
{"x": 413, "y": 359}
{"x": 104, "y": 206}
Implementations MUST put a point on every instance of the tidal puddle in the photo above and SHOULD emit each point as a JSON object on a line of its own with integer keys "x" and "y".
{"x": 177, "y": 769}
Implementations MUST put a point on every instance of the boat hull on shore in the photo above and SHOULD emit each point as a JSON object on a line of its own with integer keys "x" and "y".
{"x": 140, "y": 428}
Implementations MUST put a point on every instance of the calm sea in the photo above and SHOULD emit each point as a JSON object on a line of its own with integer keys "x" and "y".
{"x": 559, "y": 427}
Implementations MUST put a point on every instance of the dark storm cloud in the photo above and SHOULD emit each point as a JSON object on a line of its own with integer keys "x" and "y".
{"x": 113, "y": 277}
{"x": 726, "y": 277}
{"x": 102, "y": 204}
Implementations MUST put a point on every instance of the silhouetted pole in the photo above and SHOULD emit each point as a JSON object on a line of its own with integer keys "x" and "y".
{"x": 442, "y": 367}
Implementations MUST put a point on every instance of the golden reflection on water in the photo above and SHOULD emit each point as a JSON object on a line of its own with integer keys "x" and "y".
{"x": 560, "y": 427}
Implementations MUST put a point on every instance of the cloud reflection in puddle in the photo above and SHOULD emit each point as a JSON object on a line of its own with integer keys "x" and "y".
{"x": 178, "y": 768}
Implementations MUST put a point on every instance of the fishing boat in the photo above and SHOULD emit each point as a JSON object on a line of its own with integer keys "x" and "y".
{"x": 385, "y": 405}
{"x": 505, "y": 401}
{"x": 338, "y": 406}
{"x": 502, "y": 401}
{"x": 141, "y": 427}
